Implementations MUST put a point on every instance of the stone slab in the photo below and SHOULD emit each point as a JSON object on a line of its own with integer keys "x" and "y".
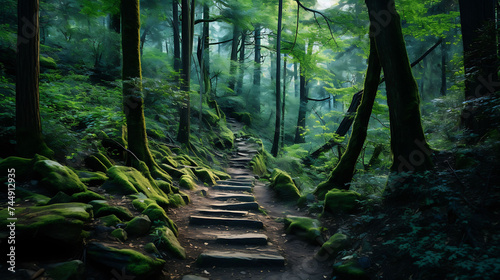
{"x": 233, "y": 188}
{"x": 221, "y": 221}
{"x": 238, "y": 197}
{"x": 243, "y": 239}
{"x": 237, "y": 206}
{"x": 235, "y": 258}
{"x": 229, "y": 213}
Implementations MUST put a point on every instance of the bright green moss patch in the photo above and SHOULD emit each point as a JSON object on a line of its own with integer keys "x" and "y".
{"x": 167, "y": 240}
{"x": 187, "y": 182}
{"x": 56, "y": 177}
{"x": 334, "y": 245}
{"x": 341, "y": 200}
{"x": 176, "y": 200}
{"x": 138, "y": 226}
{"x": 156, "y": 213}
{"x": 119, "y": 234}
{"x": 22, "y": 166}
{"x": 283, "y": 186}
{"x": 350, "y": 270}
{"x": 305, "y": 228}
{"x": 110, "y": 220}
{"x": 221, "y": 174}
{"x": 119, "y": 211}
{"x": 47, "y": 62}
{"x": 37, "y": 199}
{"x": 98, "y": 204}
{"x": 141, "y": 204}
{"x": 92, "y": 178}
{"x": 135, "y": 263}
{"x": 170, "y": 161}
{"x": 258, "y": 164}
{"x": 206, "y": 175}
{"x": 86, "y": 196}
{"x": 225, "y": 138}
{"x": 185, "y": 160}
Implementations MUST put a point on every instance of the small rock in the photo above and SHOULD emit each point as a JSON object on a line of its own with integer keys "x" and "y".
{"x": 138, "y": 226}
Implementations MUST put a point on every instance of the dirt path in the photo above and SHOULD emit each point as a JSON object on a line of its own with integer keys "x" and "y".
{"x": 235, "y": 230}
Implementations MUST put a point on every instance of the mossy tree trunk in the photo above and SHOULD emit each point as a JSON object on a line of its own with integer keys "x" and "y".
{"x": 185, "y": 122}
{"x": 343, "y": 172}
{"x": 276, "y": 140}
{"x": 300, "y": 136}
{"x": 239, "y": 88}
{"x": 28, "y": 123}
{"x": 255, "y": 100}
{"x": 410, "y": 150}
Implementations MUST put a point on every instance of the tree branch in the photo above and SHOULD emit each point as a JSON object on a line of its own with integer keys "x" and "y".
{"x": 323, "y": 15}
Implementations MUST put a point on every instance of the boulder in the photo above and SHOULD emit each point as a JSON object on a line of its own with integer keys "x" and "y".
{"x": 167, "y": 240}
{"x": 86, "y": 196}
{"x": 176, "y": 200}
{"x": 283, "y": 186}
{"x": 333, "y": 246}
{"x": 142, "y": 203}
{"x": 187, "y": 182}
{"x": 127, "y": 261}
{"x": 305, "y": 228}
{"x": 71, "y": 270}
{"x": 60, "y": 197}
{"x": 56, "y": 177}
{"x": 120, "y": 234}
{"x": 119, "y": 211}
{"x": 341, "y": 200}
{"x": 138, "y": 226}
{"x": 206, "y": 175}
{"x": 92, "y": 178}
{"x": 350, "y": 270}
{"x": 98, "y": 204}
{"x": 156, "y": 213}
{"x": 110, "y": 220}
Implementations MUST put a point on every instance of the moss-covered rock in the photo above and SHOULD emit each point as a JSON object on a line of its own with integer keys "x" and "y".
{"x": 56, "y": 177}
{"x": 221, "y": 174}
{"x": 92, "y": 178}
{"x": 185, "y": 197}
{"x": 120, "y": 211}
{"x": 156, "y": 213}
{"x": 225, "y": 138}
{"x": 305, "y": 200}
{"x": 86, "y": 196}
{"x": 167, "y": 240}
{"x": 138, "y": 226}
{"x": 176, "y": 200}
{"x": 72, "y": 270}
{"x": 98, "y": 204}
{"x": 206, "y": 176}
{"x": 258, "y": 164}
{"x": 151, "y": 248}
{"x": 127, "y": 180}
{"x": 141, "y": 204}
{"x": 334, "y": 245}
{"x": 350, "y": 270}
{"x": 120, "y": 234}
{"x": 47, "y": 62}
{"x": 243, "y": 117}
{"x": 35, "y": 198}
{"x": 22, "y": 166}
{"x": 169, "y": 161}
{"x": 60, "y": 224}
{"x": 60, "y": 197}
{"x": 187, "y": 182}
{"x": 165, "y": 186}
{"x": 305, "y": 228}
{"x": 341, "y": 200}
{"x": 110, "y": 220}
{"x": 131, "y": 262}
{"x": 283, "y": 186}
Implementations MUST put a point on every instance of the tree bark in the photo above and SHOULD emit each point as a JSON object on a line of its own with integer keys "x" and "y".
{"x": 300, "y": 136}
{"x": 239, "y": 89}
{"x": 410, "y": 150}
{"x": 184, "y": 122}
{"x": 276, "y": 140}
{"x": 234, "y": 57}
{"x": 257, "y": 71}
{"x": 343, "y": 172}
{"x": 177, "y": 39}
{"x": 28, "y": 123}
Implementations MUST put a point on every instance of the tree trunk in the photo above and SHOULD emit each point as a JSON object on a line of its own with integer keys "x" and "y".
{"x": 234, "y": 58}
{"x": 283, "y": 106}
{"x": 256, "y": 72}
{"x": 28, "y": 123}
{"x": 239, "y": 89}
{"x": 184, "y": 122}
{"x": 296, "y": 82}
{"x": 480, "y": 57}
{"x": 343, "y": 172}
{"x": 177, "y": 39}
{"x": 444, "y": 58}
{"x": 276, "y": 140}
{"x": 300, "y": 136}
{"x": 409, "y": 147}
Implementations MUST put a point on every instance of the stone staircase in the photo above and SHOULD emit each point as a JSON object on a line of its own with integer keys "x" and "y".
{"x": 231, "y": 221}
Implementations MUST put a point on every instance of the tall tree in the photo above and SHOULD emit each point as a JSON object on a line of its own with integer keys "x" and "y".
{"x": 343, "y": 172}
{"x": 257, "y": 70}
{"x": 177, "y": 39}
{"x": 184, "y": 122}
{"x": 28, "y": 123}
{"x": 304, "y": 95}
{"x": 410, "y": 150}
{"x": 239, "y": 88}
{"x": 276, "y": 140}
{"x": 480, "y": 57}
{"x": 234, "y": 57}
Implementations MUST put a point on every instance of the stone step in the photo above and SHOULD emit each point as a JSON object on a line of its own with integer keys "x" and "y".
{"x": 237, "y": 182}
{"x": 238, "y": 165}
{"x": 235, "y": 258}
{"x": 247, "y": 150}
{"x": 242, "y": 154}
{"x": 240, "y": 159}
{"x": 242, "y": 177}
{"x": 228, "y": 213}
{"x": 243, "y": 239}
{"x": 233, "y": 188}
{"x": 238, "y": 197}
{"x": 220, "y": 221}
{"x": 237, "y": 206}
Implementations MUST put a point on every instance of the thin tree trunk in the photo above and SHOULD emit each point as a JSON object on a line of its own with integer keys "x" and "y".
{"x": 234, "y": 58}
{"x": 257, "y": 71}
{"x": 409, "y": 147}
{"x": 300, "y": 136}
{"x": 296, "y": 81}
{"x": 283, "y": 105}
{"x": 28, "y": 123}
{"x": 275, "y": 147}
{"x": 177, "y": 40}
{"x": 343, "y": 172}
{"x": 444, "y": 58}
{"x": 239, "y": 89}
{"x": 184, "y": 122}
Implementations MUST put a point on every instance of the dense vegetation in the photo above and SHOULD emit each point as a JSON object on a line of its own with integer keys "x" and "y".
{"x": 125, "y": 87}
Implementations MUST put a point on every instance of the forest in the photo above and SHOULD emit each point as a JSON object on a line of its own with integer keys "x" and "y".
{"x": 249, "y": 139}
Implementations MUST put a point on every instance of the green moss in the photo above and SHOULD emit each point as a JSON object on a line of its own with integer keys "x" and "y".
{"x": 283, "y": 186}
{"x": 135, "y": 263}
{"x": 185, "y": 197}
{"x": 98, "y": 204}
{"x": 92, "y": 178}
{"x": 60, "y": 197}
{"x": 151, "y": 248}
{"x": 22, "y": 166}
{"x": 119, "y": 234}
{"x": 93, "y": 163}
{"x": 86, "y": 196}
{"x": 258, "y": 164}
{"x": 334, "y": 245}
{"x": 206, "y": 176}
{"x": 243, "y": 117}
{"x": 187, "y": 182}
{"x": 170, "y": 161}
{"x": 37, "y": 199}
{"x": 176, "y": 200}
{"x": 167, "y": 240}
{"x": 350, "y": 270}
{"x": 72, "y": 270}
{"x": 127, "y": 180}
{"x": 186, "y": 160}
{"x": 305, "y": 228}
{"x": 165, "y": 186}
{"x": 51, "y": 223}
{"x": 156, "y": 213}
{"x": 110, "y": 220}
{"x": 56, "y": 177}
{"x": 221, "y": 174}
{"x": 120, "y": 211}
{"x": 341, "y": 200}
{"x": 47, "y": 62}
{"x": 225, "y": 138}
{"x": 141, "y": 204}
{"x": 138, "y": 226}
